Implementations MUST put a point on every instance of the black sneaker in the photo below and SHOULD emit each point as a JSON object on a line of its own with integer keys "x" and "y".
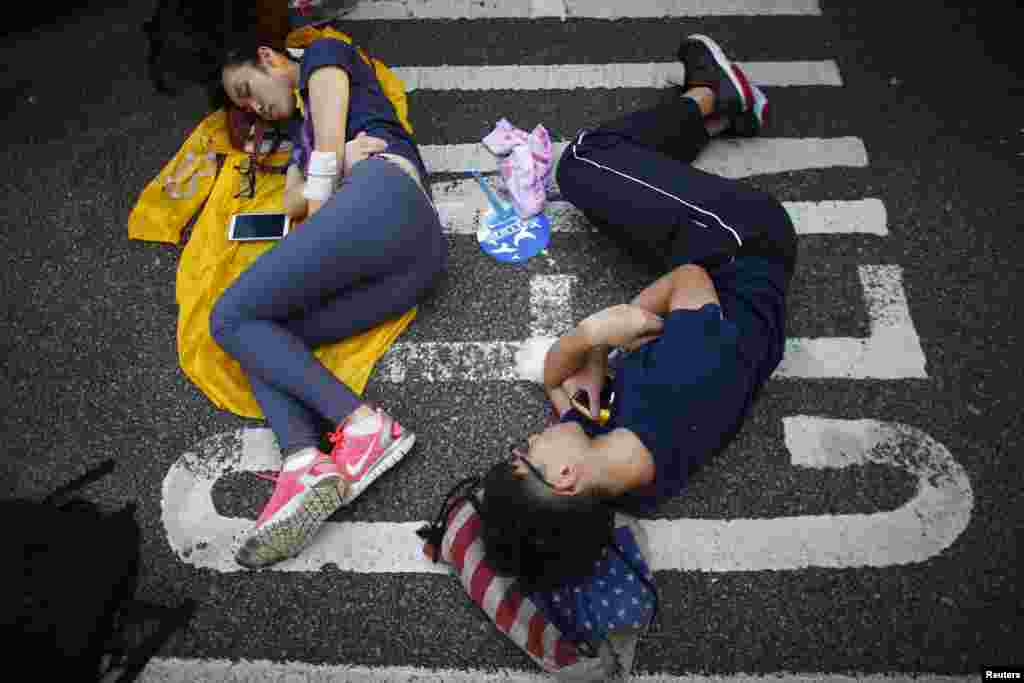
{"x": 707, "y": 66}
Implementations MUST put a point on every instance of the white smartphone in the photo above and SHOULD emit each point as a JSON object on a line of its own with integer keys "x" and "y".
{"x": 247, "y": 227}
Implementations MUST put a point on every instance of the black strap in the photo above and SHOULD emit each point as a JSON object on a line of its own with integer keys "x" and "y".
{"x": 98, "y": 472}
{"x": 172, "y": 619}
{"x": 434, "y": 533}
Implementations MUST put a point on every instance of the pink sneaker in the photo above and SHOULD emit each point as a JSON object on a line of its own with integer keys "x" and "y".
{"x": 362, "y": 453}
{"x": 302, "y": 500}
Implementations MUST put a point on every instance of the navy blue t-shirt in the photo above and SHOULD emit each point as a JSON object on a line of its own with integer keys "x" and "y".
{"x": 369, "y": 109}
{"x": 685, "y": 394}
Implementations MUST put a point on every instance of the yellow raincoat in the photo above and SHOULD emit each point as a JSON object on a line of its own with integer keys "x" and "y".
{"x": 210, "y": 262}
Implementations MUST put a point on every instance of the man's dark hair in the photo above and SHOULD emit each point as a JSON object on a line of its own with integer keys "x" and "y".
{"x": 530, "y": 533}
{"x": 543, "y": 539}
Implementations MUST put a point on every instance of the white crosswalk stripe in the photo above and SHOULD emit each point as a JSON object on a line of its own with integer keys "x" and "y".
{"x": 166, "y": 670}
{"x": 731, "y": 158}
{"x": 576, "y": 76}
{"x": 461, "y": 204}
{"x": 404, "y": 10}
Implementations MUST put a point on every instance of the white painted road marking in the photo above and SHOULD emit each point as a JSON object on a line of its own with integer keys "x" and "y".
{"x": 728, "y": 157}
{"x": 891, "y": 351}
{"x": 605, "y": 76}
{"x": 571, "y": 9}
{"x": 461, "y": 204}
{"x": 919, "y": 529}
{"x": 170, "y": 670}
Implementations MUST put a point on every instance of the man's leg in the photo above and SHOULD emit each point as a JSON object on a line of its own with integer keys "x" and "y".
{"x": 675, "y": 127}
{"x": 629, "y": 177}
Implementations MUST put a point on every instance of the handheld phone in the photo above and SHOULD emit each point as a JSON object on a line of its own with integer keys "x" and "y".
{"x": 581, "y": 402}
{"x": 247, "y": 227}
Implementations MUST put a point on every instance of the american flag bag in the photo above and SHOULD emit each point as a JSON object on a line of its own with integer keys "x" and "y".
{"x": 550, "y": 627}
{"x": 617, "y": 596}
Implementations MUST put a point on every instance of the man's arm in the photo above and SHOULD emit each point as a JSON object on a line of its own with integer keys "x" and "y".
{"x": 565, "y": 357}
{"x": 619, "y": 325}
{"x": 688, "y": 287}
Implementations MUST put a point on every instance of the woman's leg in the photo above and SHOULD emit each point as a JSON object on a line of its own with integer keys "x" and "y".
{"x": 368, "y": 254}
{"x": 347, "y": 314}
{"x": 375, "y": 228}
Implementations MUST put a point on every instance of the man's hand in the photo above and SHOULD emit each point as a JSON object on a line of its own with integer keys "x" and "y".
{"x": 361, "y": 147}
{"x": 590, "y": 378}
{"x": 624, "y": 325}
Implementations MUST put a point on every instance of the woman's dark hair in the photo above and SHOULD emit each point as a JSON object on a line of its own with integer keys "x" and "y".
{"x": 185, "y": 37}
{"x": 239, "y": 49}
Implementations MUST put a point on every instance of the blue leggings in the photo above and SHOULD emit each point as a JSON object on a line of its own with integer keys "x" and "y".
{"x": 370, "y": 254}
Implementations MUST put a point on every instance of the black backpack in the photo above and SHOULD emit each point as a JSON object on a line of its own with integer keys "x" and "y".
{"x": 68, "y": 604}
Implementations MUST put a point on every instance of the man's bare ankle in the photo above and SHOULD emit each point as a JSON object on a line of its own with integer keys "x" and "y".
{"x": 704, "y": 97}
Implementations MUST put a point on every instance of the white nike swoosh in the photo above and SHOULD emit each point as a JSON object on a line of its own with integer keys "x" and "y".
{"x": 352, "y": 471}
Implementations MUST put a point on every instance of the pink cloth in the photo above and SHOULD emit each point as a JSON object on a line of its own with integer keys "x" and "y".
{"x": 524, "y": 162}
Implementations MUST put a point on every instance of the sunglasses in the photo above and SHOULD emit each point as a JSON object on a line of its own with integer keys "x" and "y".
{"x": 247, "y": 181}
{"x": 519, "y": 456}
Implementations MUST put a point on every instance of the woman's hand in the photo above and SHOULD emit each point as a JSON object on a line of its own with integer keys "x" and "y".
{"x": 294, "y": 203}
{"x": 624, "y": 325}
{"x": 361, "y": 147}
{"x": 312, "y": 206}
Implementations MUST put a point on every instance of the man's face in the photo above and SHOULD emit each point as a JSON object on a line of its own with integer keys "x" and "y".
{"x": 555, "y": 451}
{"x": 264, "y": 89}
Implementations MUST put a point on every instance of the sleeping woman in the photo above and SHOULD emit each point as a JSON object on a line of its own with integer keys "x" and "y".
{"x": 369, "y": 248}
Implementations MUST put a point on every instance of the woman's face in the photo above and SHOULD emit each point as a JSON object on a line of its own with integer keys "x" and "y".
{"x": 265, "y": 89}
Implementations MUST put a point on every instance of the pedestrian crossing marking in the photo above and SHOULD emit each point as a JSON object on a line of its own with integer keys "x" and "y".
{"x": 167, "y": 669}
{"x": 606, "y": 76}
{"x": 461, "y": 205}
{"x": 406, "y": 10}
{"x": 728, "y": 157}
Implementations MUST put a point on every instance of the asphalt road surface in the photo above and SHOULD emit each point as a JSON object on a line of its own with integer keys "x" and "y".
{"x": 864, "y": 523}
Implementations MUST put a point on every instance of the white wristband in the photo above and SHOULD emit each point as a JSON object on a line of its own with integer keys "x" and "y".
{"x": 322, "y": 163}
{"x": 319, "y": 188}
{"x": 322, "y": 175}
